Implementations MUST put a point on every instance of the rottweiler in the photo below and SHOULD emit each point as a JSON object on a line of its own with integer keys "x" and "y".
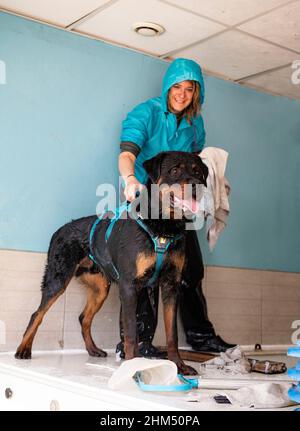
{"x": 133, "y": 257}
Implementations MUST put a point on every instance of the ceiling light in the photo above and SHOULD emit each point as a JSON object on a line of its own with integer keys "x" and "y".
{"x": 148, "y": 28}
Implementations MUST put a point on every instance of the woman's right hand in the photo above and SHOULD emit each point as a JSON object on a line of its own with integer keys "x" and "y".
{"x": 132, "y": 186}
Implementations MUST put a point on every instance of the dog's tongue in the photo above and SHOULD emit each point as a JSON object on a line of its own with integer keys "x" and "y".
{"x": 187, "y": 204}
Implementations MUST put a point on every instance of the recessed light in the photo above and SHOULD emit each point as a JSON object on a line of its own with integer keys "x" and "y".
{"x": 148, "y": 29}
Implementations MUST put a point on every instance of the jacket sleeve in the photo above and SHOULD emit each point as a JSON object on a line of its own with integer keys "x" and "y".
{"x": 130, "y": 147}
{"x": 135, "y": 126}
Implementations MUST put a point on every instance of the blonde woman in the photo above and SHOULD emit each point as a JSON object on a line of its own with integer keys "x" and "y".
{"x": 172, "y": 122}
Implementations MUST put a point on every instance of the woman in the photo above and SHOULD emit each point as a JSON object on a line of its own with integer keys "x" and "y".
{"x": 171, "y": 122}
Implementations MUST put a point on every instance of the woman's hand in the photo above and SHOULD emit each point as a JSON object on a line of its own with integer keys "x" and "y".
{"x": 132, "y": 186}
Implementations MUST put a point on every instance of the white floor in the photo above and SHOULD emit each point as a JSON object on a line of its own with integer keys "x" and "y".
{"x": 71, "y": 380}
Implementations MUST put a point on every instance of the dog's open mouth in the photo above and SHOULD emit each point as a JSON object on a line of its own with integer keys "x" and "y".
{"x": 190, "y": 204}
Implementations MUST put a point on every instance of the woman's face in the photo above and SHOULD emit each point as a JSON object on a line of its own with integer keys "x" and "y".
{"x": 180, "y": 95}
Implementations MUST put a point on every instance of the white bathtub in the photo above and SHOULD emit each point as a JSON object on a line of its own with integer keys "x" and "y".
{"x": 71, "y": 380}
{"x": 66, "y": 381}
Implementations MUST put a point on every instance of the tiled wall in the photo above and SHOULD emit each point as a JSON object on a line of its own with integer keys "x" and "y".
{"x": 246, "y": 306}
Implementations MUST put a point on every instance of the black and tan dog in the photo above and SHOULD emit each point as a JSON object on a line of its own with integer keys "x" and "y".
{"x": 132, "y": 253}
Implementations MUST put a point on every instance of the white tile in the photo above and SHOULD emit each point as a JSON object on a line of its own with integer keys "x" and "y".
{"x": 229, "y": 12}
{"x": 235, "y": 55}
{"x": 44, "y": 340}
{"x": 27, "y": 301}
{"x": 76, "y": 300}
{"x": 102, "y": 322}
{"x": 103, "y": 340}
{"x": 250, "y": 307}
{"x": 241, "y": 338}
{"x": 278, "y": 323}
{"x": 182, "y": 28}
{"x": 18, "y": 321}
{"x": 106, "y": 339}
{"x": 74, "y": 340}
{"x": 278, "y": 307}
{"x": 59, "y": 12}
{"x": 279, "y": 337}
{"x": 221, "y": 274}
{"x": 22, "y": 260}
{"x": 233, "y": 290}
{"x": 281, "y": 26}
{"x": 20, "y": 281}
{"x": 279, "y": 278}
{"x": 281, "y": 293}
{"x": 240, "y": 323}
{"x": 48, "y": 340}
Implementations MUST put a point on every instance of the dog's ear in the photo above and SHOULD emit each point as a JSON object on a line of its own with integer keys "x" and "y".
{"x": 153, "y": 166}
{"x": 204, "y": 172}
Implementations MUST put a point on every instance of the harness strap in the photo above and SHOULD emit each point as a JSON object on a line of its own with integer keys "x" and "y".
{"x": 161, "y": 244}
{"x": 92, "y": 232}
{"x": 116, "y": 217}
{"x": 118, "y": 213}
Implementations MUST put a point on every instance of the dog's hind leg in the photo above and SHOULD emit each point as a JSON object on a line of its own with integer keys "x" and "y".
{"x": 66, "y": 250}
{"x": 98, "y": 288}
{"x": 48, "y": 299}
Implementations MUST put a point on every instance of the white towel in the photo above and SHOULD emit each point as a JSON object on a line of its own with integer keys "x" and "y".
{"x": 262, "y": 396}
{"x": 215, "y": 199}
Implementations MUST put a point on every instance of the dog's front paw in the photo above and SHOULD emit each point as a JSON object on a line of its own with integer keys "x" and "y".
{"x": 186, "y": 370}
{"x": 95, "y": 351}
{"x": 23, "y": 353}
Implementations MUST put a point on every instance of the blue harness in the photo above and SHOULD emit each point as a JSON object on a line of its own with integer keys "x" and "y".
{"x": 161, "y": 244}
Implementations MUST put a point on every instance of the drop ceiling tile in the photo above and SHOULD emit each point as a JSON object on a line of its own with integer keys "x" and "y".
{"x": 278, "y": 82}
{"x": 281, "y": 26}
{"x": 229, "y": 12}
{"x": 58, "y": 12}
{"x": 235, "y": 55}
{"x": 182, "y": 28}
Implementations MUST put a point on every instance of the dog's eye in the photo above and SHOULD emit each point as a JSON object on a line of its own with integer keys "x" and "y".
{"x": 175, "y": 171}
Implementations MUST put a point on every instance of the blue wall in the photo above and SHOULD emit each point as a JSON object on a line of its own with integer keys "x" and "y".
{"x": 60, "y": 118}
{"x": 262, "y": 135}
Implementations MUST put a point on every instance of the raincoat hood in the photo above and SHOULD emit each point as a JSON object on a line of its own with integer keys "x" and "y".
{"x": 182, "y": 69}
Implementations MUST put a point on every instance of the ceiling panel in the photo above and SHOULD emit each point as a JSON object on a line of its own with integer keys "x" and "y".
{"x": 232, "y": 54}
{"x": 182, "y": 28}
{"x": 278, "y": 82}
{"x": 281, "y": 26}
{"x": 58, "y": 12}
{"x": 229, "y": 12}
{"x": 236, "y": 55}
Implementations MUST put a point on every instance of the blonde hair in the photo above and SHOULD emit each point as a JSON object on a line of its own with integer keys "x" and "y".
{"x": 193, "y": 109}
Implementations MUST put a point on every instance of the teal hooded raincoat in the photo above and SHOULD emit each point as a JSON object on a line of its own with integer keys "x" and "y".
{"x": 154, "y": 129}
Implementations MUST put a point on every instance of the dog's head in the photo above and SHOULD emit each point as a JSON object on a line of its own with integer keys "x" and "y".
{"x": 180, "y": 175}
